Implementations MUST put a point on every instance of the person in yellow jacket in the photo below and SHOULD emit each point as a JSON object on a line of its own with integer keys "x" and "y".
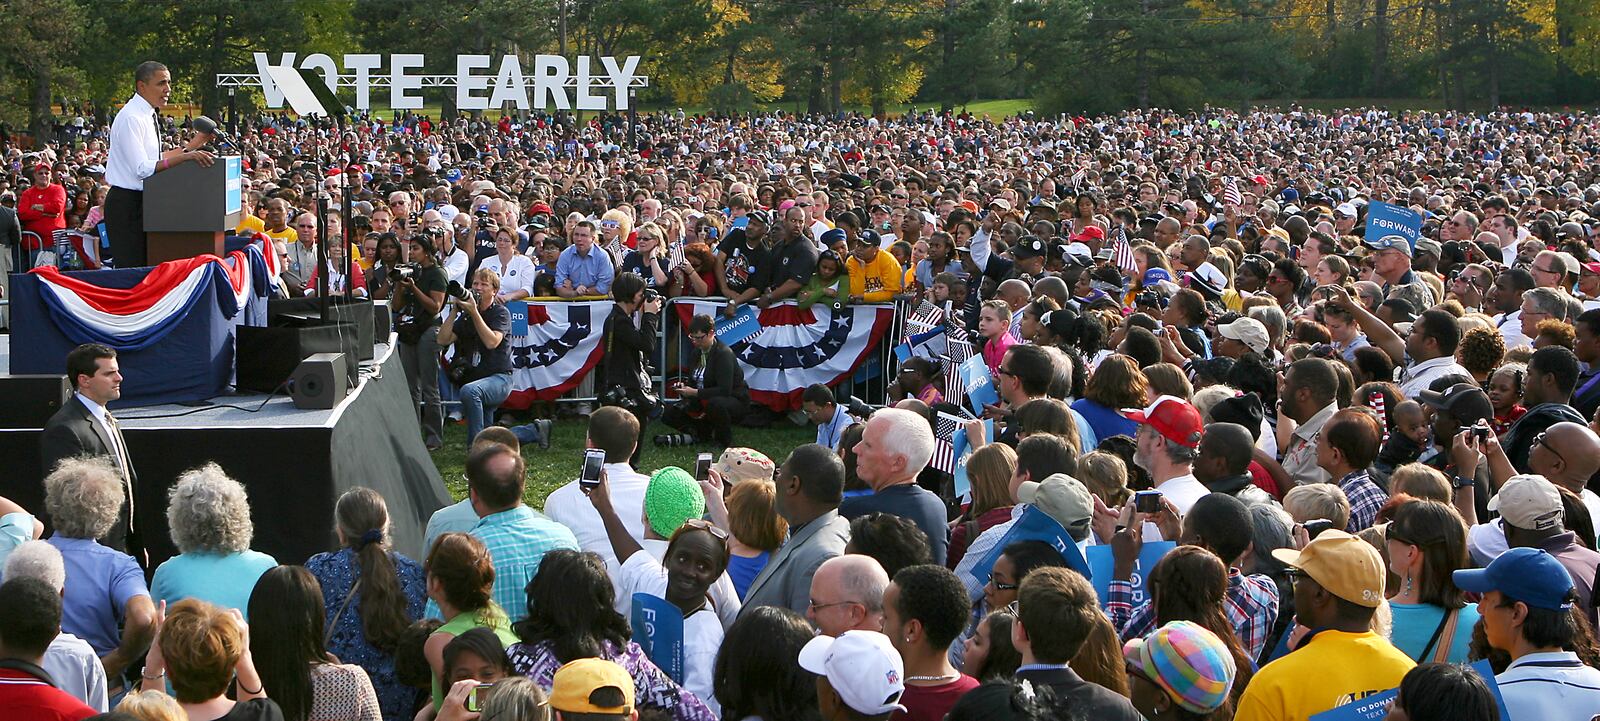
{"x": 875, "y": 276}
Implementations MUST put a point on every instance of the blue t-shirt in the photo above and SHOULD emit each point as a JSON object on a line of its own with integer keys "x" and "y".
{"x": 225, "y": 580}
{"x": 1106, "y": 422}
{"x": 743, "y": 571}
{"x": 1414, "y": 624}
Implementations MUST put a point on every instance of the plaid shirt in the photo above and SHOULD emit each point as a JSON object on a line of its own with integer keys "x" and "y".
{"x": 517, "y": 540}
{"x": 1366, "y": 499}
{"x": 1252, "y": 609}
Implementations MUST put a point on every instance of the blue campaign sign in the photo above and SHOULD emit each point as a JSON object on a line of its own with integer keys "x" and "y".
{"x": 977, "y": 382}
{"x": 1376, "y": 706}
{"x": 519, "y": 317}
{"x": 658, "y": 629}
{"x": 744, "y": 324}
{"x": 1034, "y": 525}
{"x": 959, "y": 448}
{"x": 928, "y": 344}
{"x": 234, "y": 191}
{"x": 1386, "y": 219}
{"x": 1101, "y": 562}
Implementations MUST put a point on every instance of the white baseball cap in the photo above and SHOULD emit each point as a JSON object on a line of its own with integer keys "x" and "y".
{"x": 862, "y": 666}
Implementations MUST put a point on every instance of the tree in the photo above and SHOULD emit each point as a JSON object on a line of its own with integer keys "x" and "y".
{"x": 52, "y": 30}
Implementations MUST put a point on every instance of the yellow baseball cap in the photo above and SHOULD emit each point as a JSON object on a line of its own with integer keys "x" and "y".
{"x": 1347, "y": 566}
{"x": 584, "y": 686}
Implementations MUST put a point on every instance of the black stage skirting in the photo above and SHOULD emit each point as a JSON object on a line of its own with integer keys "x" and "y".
{"x": 293, "y": 463}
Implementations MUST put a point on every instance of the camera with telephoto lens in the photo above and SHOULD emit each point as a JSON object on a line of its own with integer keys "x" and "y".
{"x": 402, "y": 272}
{"x": 458, "y": 292}
{"x": 650, "y": 294}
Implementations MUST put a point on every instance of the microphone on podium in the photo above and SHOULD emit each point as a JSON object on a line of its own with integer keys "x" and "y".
{"x": 207, "y": 126}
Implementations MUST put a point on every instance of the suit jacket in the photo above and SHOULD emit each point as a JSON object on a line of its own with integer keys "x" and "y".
{"x": 723, "y": 378}
{"x": 786, "y": 579}
{"x": 1087, "y": 700}
{"x": 73, "y": 432}
{"x": 1586, "y": 397}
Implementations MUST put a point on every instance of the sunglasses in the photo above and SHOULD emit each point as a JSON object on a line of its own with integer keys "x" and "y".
{"x": 1540, "y": 440}
{"x": 700, "y": 524}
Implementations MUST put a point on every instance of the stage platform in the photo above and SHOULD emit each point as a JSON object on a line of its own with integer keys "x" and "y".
{"x": 294, "y": 463}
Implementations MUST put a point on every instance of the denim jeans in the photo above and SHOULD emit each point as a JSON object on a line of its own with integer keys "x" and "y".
{"x": 479, "y": 399}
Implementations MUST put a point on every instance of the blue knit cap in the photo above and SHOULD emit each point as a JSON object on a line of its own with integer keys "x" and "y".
{"x": 672, "y": 498}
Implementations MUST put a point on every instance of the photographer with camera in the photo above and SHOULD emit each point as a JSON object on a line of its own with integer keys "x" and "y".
{"x": 713, "y": 398}
{"x": 625, "y": 378}
{"x": 419, "y": 290}
{"x": 477, "y": 324}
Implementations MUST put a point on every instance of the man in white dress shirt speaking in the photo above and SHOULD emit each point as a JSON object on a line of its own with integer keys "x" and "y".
{"x": 135, "y": 155}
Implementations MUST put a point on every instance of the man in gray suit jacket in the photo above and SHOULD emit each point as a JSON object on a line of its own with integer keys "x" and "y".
{"x": 810, "y": 485}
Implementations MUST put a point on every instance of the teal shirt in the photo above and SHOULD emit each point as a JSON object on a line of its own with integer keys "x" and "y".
{"x": 224, "y": 580}
{"x": 1414, "y": 624}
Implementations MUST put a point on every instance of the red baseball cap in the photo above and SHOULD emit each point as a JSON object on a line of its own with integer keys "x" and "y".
{"x": 1092, "y": 231}
{"x": 1173, "y": 418}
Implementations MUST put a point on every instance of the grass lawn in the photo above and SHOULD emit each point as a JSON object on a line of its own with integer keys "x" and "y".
{"x": 549, "y": 470}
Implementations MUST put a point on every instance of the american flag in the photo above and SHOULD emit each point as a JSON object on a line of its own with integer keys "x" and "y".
{"x": 1230, "y": 192}
{"x": 675, "y": 256}
{"x": 958, "y": 348}
{"x": 924, "y": 318}
{"x": 1121, "y": 252}
{"x": 945, "y": 426}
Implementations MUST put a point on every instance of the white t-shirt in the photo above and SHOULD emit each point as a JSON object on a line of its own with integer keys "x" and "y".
{"x": 1183, "y": 491}
{"x": 702, "y": 630}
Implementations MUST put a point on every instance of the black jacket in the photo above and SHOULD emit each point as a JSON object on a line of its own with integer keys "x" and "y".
{"x": 1086, "y": 700}
{"x": 73, "y": 432}
{"x": 627, "y": 349}
{"x": 1518, "y": 440}
{"x": 723, "y": 377}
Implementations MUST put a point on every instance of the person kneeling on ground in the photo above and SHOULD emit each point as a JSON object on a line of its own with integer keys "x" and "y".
{"x": 712, "y": 398}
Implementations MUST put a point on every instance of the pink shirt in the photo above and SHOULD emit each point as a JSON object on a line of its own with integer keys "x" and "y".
{"x": 995, "y": 350}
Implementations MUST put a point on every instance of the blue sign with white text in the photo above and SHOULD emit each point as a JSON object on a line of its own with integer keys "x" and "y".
{"x": 745, "y": 323}
{"x": 1035, "y": 525}
{"x": 519, "y": 317}
{"x": 1101, "y": 563}
{"x": 1386, "y": 219}
{"x": 978, "y": 384}
{"x": 658, "y": 629}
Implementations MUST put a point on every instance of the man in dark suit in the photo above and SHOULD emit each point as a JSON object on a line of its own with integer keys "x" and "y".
{"x": 717, "y": 396}
{"x": 810, "y": 485}
{"x": 1055, "y": 613}
{"x": 84, "y": 427}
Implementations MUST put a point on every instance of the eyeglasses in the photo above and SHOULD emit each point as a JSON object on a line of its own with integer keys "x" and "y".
{"x": 814, "y": 606}
{"x": 1001, "y": 586}
{"x": 610, "y": 224}
{"x": 1004, "y": 372}
{"x": 1295, "y": 575}
{"x": 1539, "y": 440}
{"x": 1549, "y": 271}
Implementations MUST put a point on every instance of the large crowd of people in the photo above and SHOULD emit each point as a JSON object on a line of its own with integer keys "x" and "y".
{"x": 1376, "y": 458}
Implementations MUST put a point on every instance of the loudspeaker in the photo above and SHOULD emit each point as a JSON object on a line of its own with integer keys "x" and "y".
{"x": 319, "y": 382}
{"x": 303, "y": 312}
{"x": 267, "y": 356}
{"x": 31, "y": 400}
{"x": 382, "y": 321}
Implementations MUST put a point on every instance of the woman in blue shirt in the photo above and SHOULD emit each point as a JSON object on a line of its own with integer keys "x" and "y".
{"x": 1426, "y": 543}
{"x": 208, "y": 515}
{"x": 755, "y": 530}
{"x": 1116, "y": 384}
{"x": 371, "y": 595}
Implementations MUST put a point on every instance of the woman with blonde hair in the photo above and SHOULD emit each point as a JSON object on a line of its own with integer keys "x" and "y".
{"x": 199, "y": 650}
{"x": 1106, "y": 476}
{"x": 616, "y": 234}
{"x": 989, "y": 469}
{"x": 649, "y": 260}
{"x": 755, "y": 530}
{"x": 208, "y": 515}
{"x": 151, "y": 706}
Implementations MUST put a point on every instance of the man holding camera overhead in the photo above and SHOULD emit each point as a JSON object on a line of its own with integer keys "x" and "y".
{"x": 477, "y": 324}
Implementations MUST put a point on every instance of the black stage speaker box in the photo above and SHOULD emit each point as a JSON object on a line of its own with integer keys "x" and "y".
{"x": 30, "y": 400}
{"x": 268, "y": 356}
{"x": 382, "y": 321}
{"x": 302, "y": 312}
{"x": 319, "y": 382}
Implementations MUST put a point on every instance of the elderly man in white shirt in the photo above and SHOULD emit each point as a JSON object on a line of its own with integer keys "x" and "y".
{"x": 71, "y": 661}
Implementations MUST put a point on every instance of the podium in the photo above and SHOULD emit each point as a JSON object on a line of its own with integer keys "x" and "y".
{"x": 188, "y": 209}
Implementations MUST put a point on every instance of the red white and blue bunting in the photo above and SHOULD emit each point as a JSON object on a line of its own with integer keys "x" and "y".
{"x": 800, "y": 346}
{"x": 130, "y": 319}
{"x": 560, "y": 347}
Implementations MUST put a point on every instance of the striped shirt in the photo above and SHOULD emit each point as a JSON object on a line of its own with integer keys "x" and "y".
{"x": 1252, "y": 607}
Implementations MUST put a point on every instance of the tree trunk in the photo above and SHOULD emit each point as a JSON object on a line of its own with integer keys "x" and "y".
{"x": 39, "y": 116}
{"x": 1139, "y": 57}
{"x": 1331, "y": 19}
{"x": 210, "y": 103}
{"x": 814, "y": 93}
{"x": 949, "y": 86}
{"x": 1380, "y": 49}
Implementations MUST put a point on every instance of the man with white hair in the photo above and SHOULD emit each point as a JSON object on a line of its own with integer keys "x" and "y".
{"x": 70, "y": 660}
{"x": 847, "y": 595}
{"x": 83, "y": 497}
{"x": 895, "y": 447}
